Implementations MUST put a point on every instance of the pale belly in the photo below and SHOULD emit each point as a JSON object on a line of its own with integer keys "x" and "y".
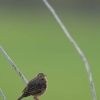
{"x": 39, "y": 94}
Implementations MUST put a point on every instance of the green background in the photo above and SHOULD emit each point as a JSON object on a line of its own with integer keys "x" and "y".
{"x": 36, "y": 43}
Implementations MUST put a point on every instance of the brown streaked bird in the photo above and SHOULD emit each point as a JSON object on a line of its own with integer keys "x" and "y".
{"x": 35, "y": 87}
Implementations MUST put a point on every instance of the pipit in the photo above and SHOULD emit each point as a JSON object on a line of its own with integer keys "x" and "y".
{"x": 35, "y": 87}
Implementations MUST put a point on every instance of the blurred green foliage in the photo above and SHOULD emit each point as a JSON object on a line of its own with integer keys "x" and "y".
{"x": 36, "y": 43}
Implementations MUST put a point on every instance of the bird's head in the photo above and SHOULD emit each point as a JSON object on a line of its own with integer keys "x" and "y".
{"x": 41, "y": 75}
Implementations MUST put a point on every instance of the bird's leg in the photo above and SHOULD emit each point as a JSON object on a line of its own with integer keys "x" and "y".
{"x": 36, "y": 98}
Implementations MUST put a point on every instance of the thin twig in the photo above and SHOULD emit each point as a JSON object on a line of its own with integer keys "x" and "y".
{"x": 2, "y": 94}
{"x": 76, "y": 47}
{"x": 13, "y": 65}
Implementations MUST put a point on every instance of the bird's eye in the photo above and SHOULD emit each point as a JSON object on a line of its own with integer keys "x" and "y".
{"x": 40, "y": 76}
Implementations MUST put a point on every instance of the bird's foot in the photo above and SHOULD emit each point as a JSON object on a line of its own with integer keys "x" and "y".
{"x": 36, "y": 98}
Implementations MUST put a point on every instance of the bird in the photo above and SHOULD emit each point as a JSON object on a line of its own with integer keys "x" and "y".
{"x": 35, "y": 87}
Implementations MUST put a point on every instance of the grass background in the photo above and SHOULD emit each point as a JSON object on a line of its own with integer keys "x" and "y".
{"x": 36, "y": 43}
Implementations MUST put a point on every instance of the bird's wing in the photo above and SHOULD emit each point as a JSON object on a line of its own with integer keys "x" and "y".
{"x": 29, "y": 84}
{"x": 24, "y": 89}
{"x": 33, "y": 88}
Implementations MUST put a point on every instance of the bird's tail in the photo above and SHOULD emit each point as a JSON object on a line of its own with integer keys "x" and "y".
{"x": 20, "y": 98}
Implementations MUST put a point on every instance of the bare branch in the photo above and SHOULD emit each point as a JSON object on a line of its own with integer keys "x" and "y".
{"x": 2, "y": 94}
{"x": 76, "y": 47}
{"x": 13, "y": 65}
